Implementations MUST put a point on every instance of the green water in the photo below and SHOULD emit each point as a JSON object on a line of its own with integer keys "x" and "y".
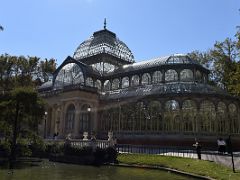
{"x": 59, "y": 171}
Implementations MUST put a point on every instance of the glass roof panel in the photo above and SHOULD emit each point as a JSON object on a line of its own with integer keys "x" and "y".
{"x": 104, "y": 41}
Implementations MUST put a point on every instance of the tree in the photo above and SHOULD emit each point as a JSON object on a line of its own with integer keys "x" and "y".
{"x": 24, "y": 71}
{"x": 224, "y": 55}
{"x": 21, "y": 111}
{"x": 234, "y": 83}
{"x": 223, "y": 61}
{"x": 205, "y": 59}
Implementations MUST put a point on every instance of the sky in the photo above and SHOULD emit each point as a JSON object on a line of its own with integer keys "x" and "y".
{"x": 150, "y": 28}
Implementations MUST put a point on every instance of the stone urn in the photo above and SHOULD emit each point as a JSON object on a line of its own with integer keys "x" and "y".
{"x": 85, "y": 136}
{"x": 110, "y": 135}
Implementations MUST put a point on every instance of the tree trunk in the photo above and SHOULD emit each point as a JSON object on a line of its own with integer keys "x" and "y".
{"x": 14, "y": 137}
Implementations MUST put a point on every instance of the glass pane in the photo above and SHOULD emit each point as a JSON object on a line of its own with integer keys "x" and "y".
{"x": 70, "y": 74}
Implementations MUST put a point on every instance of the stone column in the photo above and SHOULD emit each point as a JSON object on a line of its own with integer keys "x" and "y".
{"x": 94, "y": 118}
{"x": 61, "y": 118}
{"x": 53, "y": 120}
{"x": 77, "y": 119}
{"x": 179, "y": 74}
{"x": 163, "y": 76}
{"x": 194, "y": 74}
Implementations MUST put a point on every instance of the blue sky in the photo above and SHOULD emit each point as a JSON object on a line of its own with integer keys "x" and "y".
{"x": 150, "y": 28}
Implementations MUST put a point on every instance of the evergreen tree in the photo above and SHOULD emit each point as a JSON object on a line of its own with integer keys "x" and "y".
{"x": 21, "y": 111}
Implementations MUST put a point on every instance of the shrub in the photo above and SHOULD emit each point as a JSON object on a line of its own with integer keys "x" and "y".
{"x": 37, "y": 146}
{"x": 74, "y": 151}
{"x": 5, "y": 148}
{"x": 99, "y": 156}
{"x": 111, "y": 155}
{"x": 23, "y": 149}
{"x": 54, "y": 148}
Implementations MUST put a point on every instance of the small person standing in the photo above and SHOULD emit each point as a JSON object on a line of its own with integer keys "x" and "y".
{"x": 198, "y": 149}
{"x": 221, "y": 146}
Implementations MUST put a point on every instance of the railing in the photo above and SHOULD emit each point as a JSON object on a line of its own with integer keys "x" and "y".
{"x": 166, "y": 151}
{"x": 79, "y": 143}
{"x": 97, "y": 143}
{"x": 187, "y": 152}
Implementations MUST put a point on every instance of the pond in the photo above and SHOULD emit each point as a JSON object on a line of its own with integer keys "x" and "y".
{"x": 59, "y": 171}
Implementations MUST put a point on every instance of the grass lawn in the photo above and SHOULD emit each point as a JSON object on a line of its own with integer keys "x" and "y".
{"x": 201, "y": 167}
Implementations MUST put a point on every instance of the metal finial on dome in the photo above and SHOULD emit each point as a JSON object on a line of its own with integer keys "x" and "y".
{"x": 105, "y": 24}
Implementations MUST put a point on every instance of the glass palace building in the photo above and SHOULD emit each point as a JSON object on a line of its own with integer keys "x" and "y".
{"x": 166, "y": 100}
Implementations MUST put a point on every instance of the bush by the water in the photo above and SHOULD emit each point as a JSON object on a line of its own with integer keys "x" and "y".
{"x": 74, "y": 151}
{"x": 38, "y": 147}
{"x": 5, "y": 148}
{"x": 106, "y": 155}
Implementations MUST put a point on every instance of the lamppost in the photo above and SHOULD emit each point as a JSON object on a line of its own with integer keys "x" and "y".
{"x": 45, "y": 124}
{"x": 89, "y": 119}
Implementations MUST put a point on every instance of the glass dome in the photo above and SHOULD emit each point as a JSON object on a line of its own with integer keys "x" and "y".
{"x": 103, "y": 41}
{"x": 180, "y": 59}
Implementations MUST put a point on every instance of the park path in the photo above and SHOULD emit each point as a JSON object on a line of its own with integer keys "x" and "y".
{"x": 211, "y": 156}
{"x": 223, "y": 159}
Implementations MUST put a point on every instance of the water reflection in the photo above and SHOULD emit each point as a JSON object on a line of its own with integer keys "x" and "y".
{"x": 60, "y": 171}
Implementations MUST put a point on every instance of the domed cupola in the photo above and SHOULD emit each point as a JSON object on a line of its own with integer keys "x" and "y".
{"x": 103, "y": 42}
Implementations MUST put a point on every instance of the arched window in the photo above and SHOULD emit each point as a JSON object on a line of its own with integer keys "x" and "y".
{"x": 198, "y": 76}
{"x": 233, "y": 114}
{"x": 222, "y": 118}
{"x": 70, "y": 74}
{"x": 140, "y": 117}
{"x": 171, "y": 105}
{"x": 107, "y": 85}
{"x": 135, "y": 80}
{"x": 125, "y": 82}
{"x": 85, "y": 117}
{"x": 157, "y": 77}
{"x": 70, "y": 117}
{"x": 104, "y": 120}
{"x": 205, "y": 78}
{"x": 98, "y": 84}
{"x": 171, "y": 75}
{"x": 176, "y": 123}
{"x": 171, "y": 116}
{"x": 89, "y": 81}
{"x": 186, "y": 75}
{"x": 146, "y": 79}
{"x": 155, "y": 123}
{"x": 189, "y": 111}
{"x": 208, "y": 115}
{"x": 115, "y": 84}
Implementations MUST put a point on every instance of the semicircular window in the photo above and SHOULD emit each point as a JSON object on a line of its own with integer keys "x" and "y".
{"x": 70, "y": 74}
{"x": 107, "y": 85}
{"x": 146, "y": 79}
{"x": 125, "y": 82}
{"x": 186, "y": 75}
{"x": 70, "y": 117}
{"x": 157, "y": 77}
{"x": 98, "y": 84}
{"x": 171, "y": 75}
{"x": 115, "y": 84}
{"x": 89, "y": 81}
{"x": 135, "y": 80}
